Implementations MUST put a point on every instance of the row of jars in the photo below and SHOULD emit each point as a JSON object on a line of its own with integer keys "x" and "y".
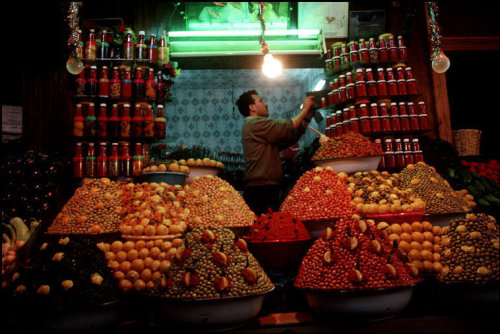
{"x": 99, "y": 46}
{"x": 117, "y": 122}
{"x": 363, "y": 85}
{"x": 384, "y": 51}
{"x": 112, "y": 160}
{"x": 121, "y": 85}
{"x": 378, "y": 118}
{"x": 398, "y": 153}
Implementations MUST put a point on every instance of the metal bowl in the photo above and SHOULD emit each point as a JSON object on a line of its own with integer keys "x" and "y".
{"x": 195, "y": 171}
{"x": 239, "y": 231}
{"x": 366, "y": 305}
{"x": 467, "y": 295}
{"x": 351, "y": 164}
{"x": 172, "y": 178}
{"x": 398, "y": 218}
{"x": 317, "y": 227}
{"x": 277, "y": 253}
{"x": 207, "y": 315}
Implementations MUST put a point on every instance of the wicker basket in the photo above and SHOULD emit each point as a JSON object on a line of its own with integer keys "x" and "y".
{"x": 467, "y": 141}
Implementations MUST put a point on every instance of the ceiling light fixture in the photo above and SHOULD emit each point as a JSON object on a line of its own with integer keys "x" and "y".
{"x": 271, "y": 67}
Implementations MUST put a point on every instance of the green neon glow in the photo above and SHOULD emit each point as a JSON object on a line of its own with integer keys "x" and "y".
{"x": 235, "y": 26}
{"x": 235, "y": 33}
{"x": 239, "y": 46}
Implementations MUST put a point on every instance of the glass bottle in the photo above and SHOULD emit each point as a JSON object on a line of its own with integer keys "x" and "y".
{"x": 80, "y": 45}
{"x": 141, "y": 47}
{"x": 160, "y": 122}
{"x": 400, "y": 158}
{"x": 152, "y": 48}
{"x": 407, "y": 150}
{"x": 102, "y": 121}
{"x": 90, "y": 162}
{"x": 393, "y": 49}
{"x": 81, "y": 84}
{"x": 163, "y": 52}
{"x": 92, "y": 82}
{"x": 149, "y": 123}
{"x": 127, "y": 84}
{"x": 385, "y": 122}
{"x": 364, "y": 54}
{"x": 137, "y": 160}
{"x": 383, "y": 54}
{"x": 78, "y": 121}
{"x": 104, "y": 46}
{"x": 403, "y": 53}
{"x": 128, "y": 47}
{"x": 375, "y": 119}
{"x": 371, "y": 84}
{"x": 395, "y": 120}
{"x": 422, "y": 116}
{"x": 417, "y": 151}
{"x": 151, "y": 85}
{"x": 104, "y": 82}
{"x": 90, "y": 127}
{"x": 114, "y": 161}
{"x": 389, "y": 158}
{"x": 115, "y": 84}
{"x": 381, "y": 164}
{"x": 412, "y": 113}
{"x": 403, "y": 117}
{"x": 91, "y": 46}
{"x": 160, "y": 88}
{"x": 138, "y": 84}
{"x": 146, "y": 153}
{"x": 102, "y": 160}
{"x": 137, "y": 122}
{"x": 78, "y": 161}
{"x": 392, "y": 86}
{"x": 364, "y": 119}
{"x": 114, "y": 122}
{"x": 373, "y": 50}
{"x": 125, "y": 160}
{"x": 125, "y": 122}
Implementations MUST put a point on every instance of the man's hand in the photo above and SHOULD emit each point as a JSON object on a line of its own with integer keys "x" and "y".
{"x": 308, "y": 103}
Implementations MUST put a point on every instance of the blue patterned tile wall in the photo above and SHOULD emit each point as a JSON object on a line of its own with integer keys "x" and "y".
{"x": 203, "y": 111}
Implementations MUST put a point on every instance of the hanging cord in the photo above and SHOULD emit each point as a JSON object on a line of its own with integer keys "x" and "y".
{"x": 263, "y": 45}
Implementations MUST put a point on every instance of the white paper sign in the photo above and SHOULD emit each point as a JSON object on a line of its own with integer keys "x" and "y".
{"x": 12, "y": 119}
{"x": 331, "y": 17}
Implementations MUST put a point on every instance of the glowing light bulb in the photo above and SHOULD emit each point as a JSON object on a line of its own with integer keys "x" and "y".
{"x": 74, "y": 65}
{"x": 271, "y": 67}
{"x": 440, "y": 63}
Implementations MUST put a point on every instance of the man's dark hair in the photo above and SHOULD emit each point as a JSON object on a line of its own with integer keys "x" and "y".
{"x": 244, "y": 101}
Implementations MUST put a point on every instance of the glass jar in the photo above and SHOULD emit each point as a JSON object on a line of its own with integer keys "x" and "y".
{"x": 392, "y": 87}
{"x": 152, "y": 48}
{"x": 373, "y": 50}
{"x": 400, "y": 158}
{"x": 382, "y": 88}
{"x": 114, "y": 122}
{"x": 385, "y": 121}
{"x": 114, "y": 161}
{"x": 389, "y": 156}
{"x": 149, "y": 123}
{"x": 90, "y": 161}
{"x": 151, "y": 85}
{"x": 81, "y": 83}
{"x": 141, "y": 48}
{"x": 128, "y": 47}
{"x": 350, "y": 91}
{"x": 90, "y": 126}
{"x": 91, "y": 46}
{"x": 417, "y": 152}
{"x": 408, "y": 151}
{"x": 78, "y": 161}
{"x": 137, "y": 160}
{"x": 411, "y": 86}
{"x": 403, "y": 117}
{"x": 104, "y": 83}
{"x": 125, "y": 160}
{"x": 115, "y": 84}
{"x": 414, "y": 122}
{"x": 125, "y": 128}
{"x": 374, "y": 119}
{"x": 104, "y": 46}
{"x": 92, "y": 82}
{"x": 102, "y": 160}
{"x": 402, "y": 90}
{"x": 403, "y": 53}
{"x": 102, "y": 121}
{"x": 78, "y": 121}
{"x": 383, "y": 54}
{"x": 395, "y": 121}
{"x": 127, "y": 84}
{"x": 422, "y": 116}
{"x": 137, "y": 122}
{"x": 138, "y": 83}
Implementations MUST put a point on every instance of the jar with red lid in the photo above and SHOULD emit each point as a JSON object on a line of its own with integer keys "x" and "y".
{"x": 411, "y": 86}
{"x": 422, "y": 116}
{"x": 389, "y": 156}
{"x": 381, "y": 164}
{"x": 385, "y": 121}
{"x": 102, "y": 160}
{"x": 115, "y": 84}
{"x": 78, "y": 121}
{"x": 374, "y": 119}
{"x": 373, "y": 50}
{"x": 404, "y": 119}
{"x": 382, "y": 88}
{"x": 383, "y": 54}
{"x": 417, "y": 152}
{"x": 392, "y": 87}
{"x": 413, "y": 116}
{"x": 104, "y": 82}
{"x": 402, "y": 90}
{"x": 78, "y": 161}
{"x": 400, "y": 158}
{"x": 403, "y": 53}
{"x": 407, "y": 151}
{"x": 91, "y": 45}
{"x": 395, "y": 121}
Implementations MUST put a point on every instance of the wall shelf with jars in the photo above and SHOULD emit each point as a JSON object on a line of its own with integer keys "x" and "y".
{"x": 372, "y": 91}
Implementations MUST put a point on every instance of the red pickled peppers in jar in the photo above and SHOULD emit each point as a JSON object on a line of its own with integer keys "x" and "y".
{"x": 385, "y": 122}
{"x": 127, "y": 84}
{"x": 364, "y": 119}
{"x": 383, "y": 54}
{"x": 381, "y": 164}
{"x": 417, "y": 151}
{"x": 422, "y": 116}
{"x": 125, "y": 160}
{"x": 114, "y": 161}
{"x": 389, "y": 158}
{"x": 403, "y": 53}
{"x": 371, "y": 84}
{"x": 137, "y": 122}
{"x": 104, "y": 82}
{"x": 78, "y": 161}
{"x": 102, "y": 121}
{"x": 125, "y": 122}
{"x": 149, "y": 123}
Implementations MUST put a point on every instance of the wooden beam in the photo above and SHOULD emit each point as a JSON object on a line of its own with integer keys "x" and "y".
{"x": 476, "y": 43}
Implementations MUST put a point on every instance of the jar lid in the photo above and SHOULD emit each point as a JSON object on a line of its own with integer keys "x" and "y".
{"x": 91, "y": 104}
{"x": 410, "y": 80}
{"x": 408, "y": 68}
{"x": 93, "y": 67}
{"x": 359, "y": 70}
{"x": 104, "y": 67}
{"x": 115, "y": 105}
{"x": 394, "y": 104}
{"x": 421, "y": 102}
{"x": 159, "y": 106}
{"x": 382, "y": 81}
{"x": 406, "y": 139}
{"x": 398, "y": 140}
{"x": 362, "y": 105}
{"x": 142, "y": 32}
{"x": 373, "y": 105}
{"x": 374, "y": 116}
{"x": 391, "y": 81}
{"x": 345, "y": 109}
{"x": 78, "y": 105}
{"x": 410, "y": 103}
{"x": 360, "y": 82}
{"x": 380, "y": 69}
{"x": 389, "y": 69}
{"x": 126, "y": 105}
{"x": 401, "y": 80}
{"x": 402, "y": 103}
{"x": 103, "y": 104}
